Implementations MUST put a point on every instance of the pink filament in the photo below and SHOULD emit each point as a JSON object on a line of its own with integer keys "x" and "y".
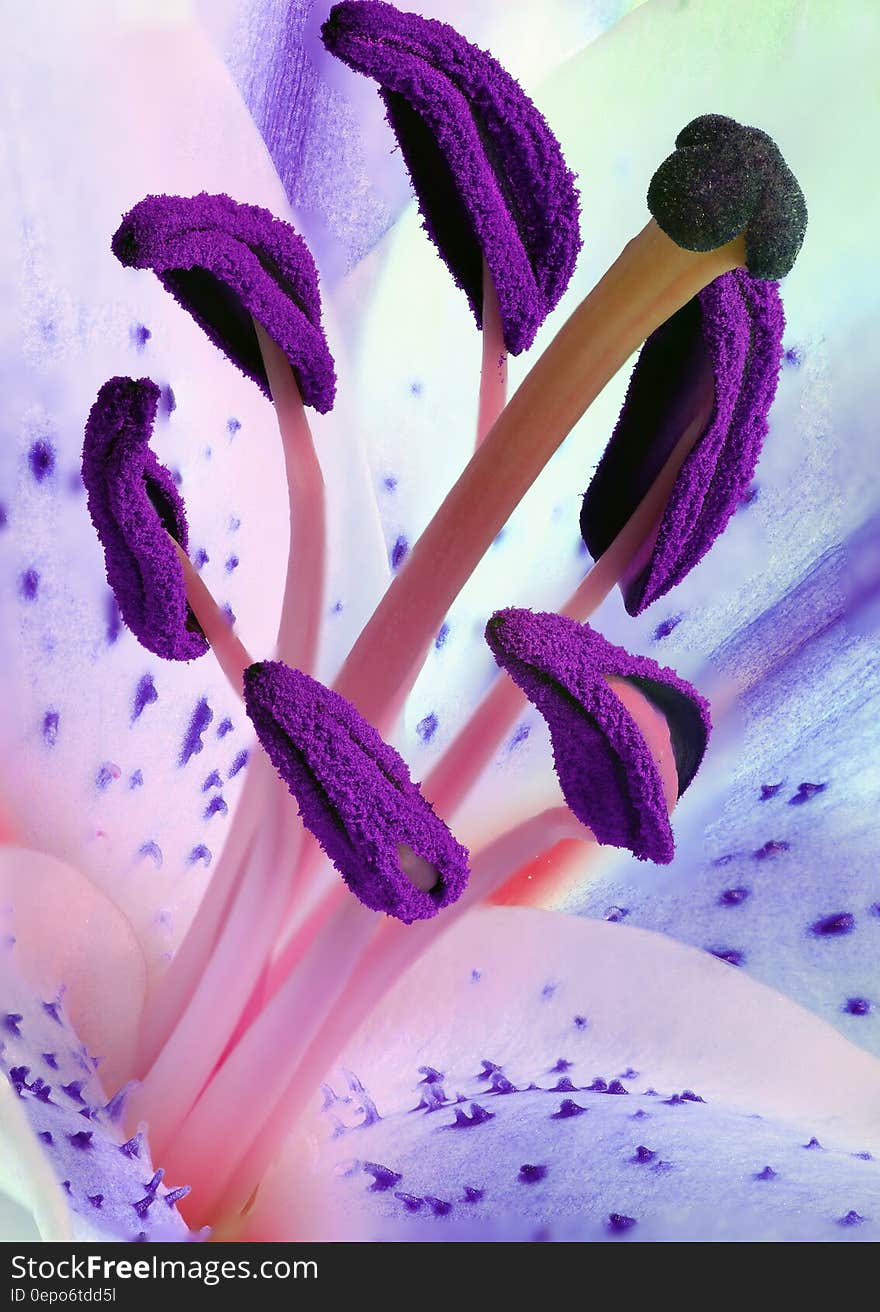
{"x": 200, "y": 1036}
{"x": 474, "y": 746}
{"x": 232, "y": 656}
{"x": 339, "y": 979}
{"x": 493, "y": 372}
{"x": 299, "y": 629}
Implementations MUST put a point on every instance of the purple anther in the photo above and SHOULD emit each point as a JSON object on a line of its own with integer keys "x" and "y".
{"x": 355, "y": 795}
{"x": 137, "y": 510}
{"x": 488, "y": 173}
{"x": 718, "y": 357}
{"x": 608, "y": 774}
{"x": 227, "y": 264}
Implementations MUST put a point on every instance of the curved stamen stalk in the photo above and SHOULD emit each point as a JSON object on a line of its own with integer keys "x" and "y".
{"x": 232, "y": 655}
{"x": 474, "y": 747}
{"x": 343, "y": 973}
{"x": 493, "y": 370}
{"x": 649, "y": 281}
{"x": 303, "y": 602}
{"x": 200, "y": 1037}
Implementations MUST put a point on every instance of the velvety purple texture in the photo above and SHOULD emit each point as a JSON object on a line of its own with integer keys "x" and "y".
{"x": 488, "y": 172}
{"x": 729, "y": 338}
{"x": 228, "y": 263}
{"x": 354, "y": 793}
{"x": 723, "y": 179}
{"x": 609, "y": 777}
{"x": 134, "y": 506}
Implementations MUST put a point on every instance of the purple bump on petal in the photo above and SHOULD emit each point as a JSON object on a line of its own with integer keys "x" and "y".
{"x": 767, "y": 1174}
{"x": 813, "y": 1143}
{"x": 851, "y": 1218}
{"x": 733, "y": 897}
{"x": 769, "y": 790}
{"x": 11, "y": 1022}
{"x": 842, "y": 922}
{"x": 773, "y": 847}
{"x": 608, "y": 775}
{"x": 81, "y": 1140}
{"x": 616, "y": 1087}
{"x": 41, "y": 458}
{"x": 733, "y": 956}
{"x": 531, "y": 1173}
{"x": 135, "y": 508}
{"x": 383, "y": 1177}
{"x": 643, "y": 1154}
{"x": 439, "y": 1206}
{"x": 472, "y": 1194}
{"x": 410, "y": 1201}
{"x": 488, "y": 173}
{"x": 567, "y": 1109}
{"x": 618, "y": 1224}
{"x": 715, "y": 361}
{"x": 857, "y": 1006}
{"x": 355, "y": 795}
{"x": 227, "y": 264}
{"x": 805, "y": 793}
{"x": 399, "y": 551}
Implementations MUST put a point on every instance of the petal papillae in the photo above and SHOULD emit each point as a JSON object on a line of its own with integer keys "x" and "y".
{"x": 488, "y": 172}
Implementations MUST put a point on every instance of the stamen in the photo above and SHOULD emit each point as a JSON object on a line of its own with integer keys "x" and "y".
{"x": 306, "y": 563}
{"x": 652, "y": 278}
{"x": 493, "y": 371}
{"x": 232, "y": 656}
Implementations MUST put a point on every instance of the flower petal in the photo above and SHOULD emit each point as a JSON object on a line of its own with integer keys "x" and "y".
{"x": 528, "y": 1017}
{"x": 355, "y": 795}
{"x": 108, "y": 1188}
{"x": 228, "y": 263}
{"x": 487, "y": 170}
{"x": 135, "y": 506}
{"x": 68, "y": 933}
{"x": 727, "y": 343}
{"x": 608, "y": 774}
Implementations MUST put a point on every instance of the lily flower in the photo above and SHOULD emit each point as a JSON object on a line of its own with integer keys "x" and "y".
{"x": 681, "y": 1081}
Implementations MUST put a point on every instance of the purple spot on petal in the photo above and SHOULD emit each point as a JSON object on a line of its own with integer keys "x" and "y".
{"x": 192, "y": 742}
{"x": 144, "y": 695}
{"x": 442, "y": 635}
{"x": 616, "y": 1087}
{"x": 213, "y": 780}
{"x": 427, "y": 727}
{"x": 580, "y": 1022}
{"x": 805, "y": 792}
{"x": 438, "y": 1205}
{"x": 842, "y": 922}
{"x": 224, "y": 727}
{"x": 238, "y": 764}
{"x": 767, "y": 1174}
{"x": 232, "y": 426}
{"x": 857, "y": 1006}
{"x": 4, "y": 515}
{"x": 643, "y": 1154}
{"x": 167, "y": 401}
{"x": 665, "y": 627}
{"x": 50, "y": 728}
{"x": 41, "y": 459}
{"x": 200, "y": 558}
{"x": 530, "y": 1173}
{"x": 140, "y": 335}
{"x": 390, "y": 483}
{"x": 733, "y": 956}
{"x": 216, "y": 806}
{"x": 618, "y": 1223}
{"x": 136, "y": 780}
{"x": 851, "y": 1218}
{"x": 81, "y": 1140}
{"x": 410, "y": 1202}
{"x": 768, "y": 791}
{"x": 520, "y": 734}
{"x": 567, "y": 1109}
{"x": 814, "y": 1143}
{"x": 45, "y": 1136}
{"x": 153, "y": 851}
{"x": 399, "y": 552}
{"x": 770, "y": 849}
{"x": 50, "y": 1059}
{"x": 200, "y": 853}
{"x": 733, "y": 897}
{"x": 615, "y": 914}
{"x": 132, "y": 1147}
{"x": 29, "y": 585}
{"x": 113, "y": 619}
{"x": 11, "y": 1022}
{"x": 107, "y": 772}
{"x": 53, "y": 1009}
{"x": 472, "y": 1194}
{"x": 383, "y": 1177}
{"x": 232, "y": 564}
